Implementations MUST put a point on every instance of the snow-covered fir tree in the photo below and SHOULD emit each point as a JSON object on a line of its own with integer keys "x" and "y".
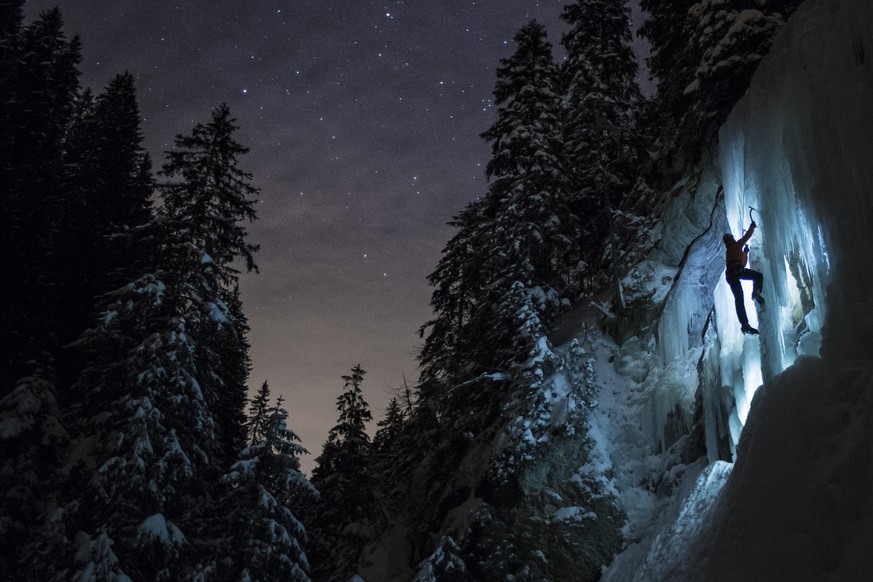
{"x": 233, "y": 367}
{"x": 108, "y": 200}
{"x": 443, "y": 565}
{"x": 457, "y": 284}
{"x": 210, "y": 192}
{"x": 730, "y": 38}
{"x": 145, "y": 422}
{"x": 530, "y": 228}
{"x": 265, "y": 494}
{"x": 672, "y": 61}
{"x": 256, "y": 420}
{"x": 345, "y": 517}
{"x": 111, "y": 185}
{"x": 390, "y": 427}
{"x": 387, "y": 461}
{"x": 603, "y": 145}
{"x": 523, "y": 230}
{"x": 33, "y": 445}
{"x": 212, "y": 196}
{"x": 703, "y": 55}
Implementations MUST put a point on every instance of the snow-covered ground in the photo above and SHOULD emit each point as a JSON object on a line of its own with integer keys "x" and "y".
{"x": 662, "y": 497}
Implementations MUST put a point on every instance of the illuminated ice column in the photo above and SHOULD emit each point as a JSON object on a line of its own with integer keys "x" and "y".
{"x": 739, "y": 359}
{"x": 740, "y": 355}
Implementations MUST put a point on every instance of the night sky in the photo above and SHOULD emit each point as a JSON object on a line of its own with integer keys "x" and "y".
{"x": 363, "y": 120}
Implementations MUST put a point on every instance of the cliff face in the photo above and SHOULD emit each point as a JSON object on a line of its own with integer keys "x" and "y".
{"x": 653, "y": 428}
{"x": 789, "y": 411}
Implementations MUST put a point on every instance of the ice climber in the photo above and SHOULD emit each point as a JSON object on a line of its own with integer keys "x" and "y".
{"x": 736, "y": 257}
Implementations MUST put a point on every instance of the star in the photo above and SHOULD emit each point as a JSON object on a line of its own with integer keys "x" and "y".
{"x": 341, "y": 148}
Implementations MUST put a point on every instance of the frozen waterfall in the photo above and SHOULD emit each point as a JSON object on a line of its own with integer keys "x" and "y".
{"x": 798, "y": 148}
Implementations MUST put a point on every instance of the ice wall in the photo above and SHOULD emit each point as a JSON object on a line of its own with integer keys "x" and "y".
{"x": 798, "y": 504}
{"x": 690, "y": 247}
{"x": 799, "y": 148}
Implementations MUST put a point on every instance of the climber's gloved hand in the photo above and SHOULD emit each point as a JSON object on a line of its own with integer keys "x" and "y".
{"x": 753, "y": 225}
{"x": 745, "y": 248}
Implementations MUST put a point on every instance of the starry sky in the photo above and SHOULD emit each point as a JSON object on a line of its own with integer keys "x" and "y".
{"x": 363, "y": 120}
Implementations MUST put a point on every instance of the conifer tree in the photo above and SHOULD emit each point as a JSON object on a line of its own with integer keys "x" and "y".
{"x": 33, "y": 443}
{"x": 113, "y": 174}
{"x": 673, "y": 59}
{"x": 233, "y": 367}
{"x": 603, "y": 148}
{"x": 256, "y": 422}
{"x": 212, "y": 197}
{"x": 390, "y": 428}
{"x": 703, "y": 56}
{"x": 389, "y": 460}
{"x": 108, "y": 196}
{"x": 526, "y": 231}
{"x": 730, "y": 38}
{"x": 39, "y": 88}
{"x": 265, "y": 493}
{"x": 457, "y": 288}
{"x": 529, "y": 225}
{"x": 343, "y": 520}
{"x": 11, "y": 17}
{"x": 523, "y": 230}
{"x": 210, "y": 192}
{"x": 159, "y": 376}
{"x": 445, "y": 564}
{"x": 150, "y": 428}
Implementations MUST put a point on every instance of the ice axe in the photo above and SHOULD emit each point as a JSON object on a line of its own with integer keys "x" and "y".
{"x": 751, "y": 222}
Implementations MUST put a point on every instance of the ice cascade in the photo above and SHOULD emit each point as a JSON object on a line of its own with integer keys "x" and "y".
{"x": 797, "y": 149}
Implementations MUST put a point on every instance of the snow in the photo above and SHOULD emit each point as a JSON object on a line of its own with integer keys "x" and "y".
{"x": 218, "y": 312}
{"x": 99, "y": 562}
{"x": 694, "y": 509}
{"x": 620, "y": 447}
{"x": 158, "y": 528}
{"x": 32, "y": 398}
{"x": 442, "y": 562}
{"x": 573, "y": 514}
{"x": 649, "y": 279}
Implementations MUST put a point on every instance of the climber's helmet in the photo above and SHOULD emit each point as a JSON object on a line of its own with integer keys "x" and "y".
{"x": 727, "y": 238}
